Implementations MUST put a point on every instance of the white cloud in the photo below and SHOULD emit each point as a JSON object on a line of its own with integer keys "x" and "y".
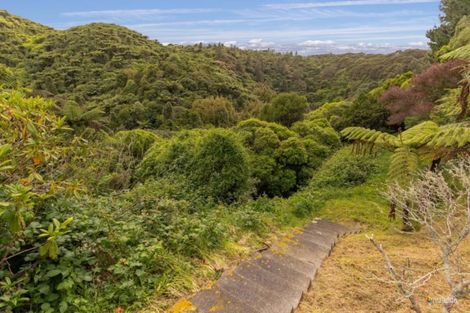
{"x": 230, "y": 43}
{"x": 258, "y": 43}
{"x": 313, "y": 43}
{"x": 306, "y": 5}
{"x": 134, "y": 13}
{"x": 255, "y": 41}
{"x": 360, "y": 33}
{"x": 417, "y": 43}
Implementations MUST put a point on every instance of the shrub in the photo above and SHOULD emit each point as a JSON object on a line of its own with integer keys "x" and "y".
{"x": 220, "y": 166}
{"x": 169, "y": 156}
{"x": 292, "y": 152}
{"x": 136, "y": 141}
{"x": 285, "y": 108}
{"x": 281, "y": 160}
{"x": 250, "y": 126}
{"x": 266, "y": 141}
{"x": 345, "y": 169}
{"x": 212, "y": 161}
{"x": 318, "y": 129}
{"x": 217, "y": 111}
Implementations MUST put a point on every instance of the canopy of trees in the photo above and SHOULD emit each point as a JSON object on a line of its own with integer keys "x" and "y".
{"x": 126, "y": 166}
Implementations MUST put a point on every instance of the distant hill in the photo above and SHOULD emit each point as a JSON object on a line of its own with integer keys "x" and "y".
{"x": 115, "y": 69}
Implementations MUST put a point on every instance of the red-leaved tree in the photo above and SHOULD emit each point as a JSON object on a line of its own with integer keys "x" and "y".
{"x": 424, "y": 90}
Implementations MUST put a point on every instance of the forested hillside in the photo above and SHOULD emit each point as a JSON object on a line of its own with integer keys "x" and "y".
{"x": 133, "y": 174}
{"x": 136, "y": 82}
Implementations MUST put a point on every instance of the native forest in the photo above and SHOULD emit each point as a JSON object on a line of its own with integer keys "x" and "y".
{"x": 134, "y": 174}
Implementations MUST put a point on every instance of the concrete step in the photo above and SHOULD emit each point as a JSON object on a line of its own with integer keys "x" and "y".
{"x": 284, "y": 271}
{"x": 275, "y": 280}
{"x": 283, "y": 288}
{"x": 254, "y": 295}
{"x": 215, "y": 300}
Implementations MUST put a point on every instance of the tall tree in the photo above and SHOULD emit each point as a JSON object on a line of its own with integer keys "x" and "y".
{"x": 453, "y": 11}
{"x": 285, "y": 108}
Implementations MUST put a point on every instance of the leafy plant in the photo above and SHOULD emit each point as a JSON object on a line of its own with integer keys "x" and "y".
{"x": 55, "y": 230}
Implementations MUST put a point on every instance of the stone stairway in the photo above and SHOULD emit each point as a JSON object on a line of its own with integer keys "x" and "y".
{"x": 274, "y": 280}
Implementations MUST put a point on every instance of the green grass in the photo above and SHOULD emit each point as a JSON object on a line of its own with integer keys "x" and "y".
{"x": 364, "y": 203}
{"x": 354, "y": 195}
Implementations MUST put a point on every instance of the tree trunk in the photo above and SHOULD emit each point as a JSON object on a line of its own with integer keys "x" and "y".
{"x": 435, "y": 164}
{"x": 406, "y": 219}
{"x": 392, "y": 214}
{"x": 463, "y": 97}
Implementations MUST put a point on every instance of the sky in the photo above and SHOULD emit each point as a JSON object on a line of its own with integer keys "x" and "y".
{"x": 307, "y": 27}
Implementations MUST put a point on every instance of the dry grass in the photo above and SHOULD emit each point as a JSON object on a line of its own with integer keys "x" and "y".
{"x": 347, "y": 280}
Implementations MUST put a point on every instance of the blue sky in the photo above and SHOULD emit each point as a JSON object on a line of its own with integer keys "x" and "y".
{"x": 308, "y": 27}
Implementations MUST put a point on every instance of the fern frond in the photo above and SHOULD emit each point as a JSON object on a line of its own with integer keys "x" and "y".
{"x": 462, "y": 53}
{"x": 420, "y": 134}
{"x": 92, "y": 114}
{"x": 369, "y": 136}
{"x": 451, "y": 136}
{"x": 404, "y": 164}
{"x": 448, "y": 104}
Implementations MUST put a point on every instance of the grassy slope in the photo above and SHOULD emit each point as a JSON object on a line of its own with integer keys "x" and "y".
{"x": 267, "y": 220}
{"x": 347, "y": 280}
{"x": 350, "y": 279}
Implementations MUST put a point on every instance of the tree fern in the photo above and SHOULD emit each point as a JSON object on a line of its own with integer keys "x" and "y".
{"x": 419, "y": 135}
{"x": 453, "y": 136}
{"x": 448, "y": 107}
{"x": 369, "y": 136}
{"x": 462, "y": 53}
{"x": 426, "y": 141}
{"x": 404, "y": 164}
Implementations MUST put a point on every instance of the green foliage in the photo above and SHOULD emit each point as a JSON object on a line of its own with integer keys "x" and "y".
{"x": 220, "y": 166}
{"x": 453, "y": 11}
{"x": 55, "y": 230}
{"x": 427, "y": 138}
{"x": 283, "y": 160}
{"x": 319, "y": 130}
{"x": 459, "y": 45}
{"x": 213, "y": 162}
{"x": 249, "y": 127}
{"x": 136, "y": 141}
{"x": 32, "y": 158}
{"x": 170, "y": 156}
{"x": 285, "y": 108}
{"x": 404, "y": 164}
{"x": 345, "y": 169}
{"x": 366, "y": 111}
{"x": 451, "y": 136}
{"x": 117, "y": 78}
{"x": 216, "y": 111}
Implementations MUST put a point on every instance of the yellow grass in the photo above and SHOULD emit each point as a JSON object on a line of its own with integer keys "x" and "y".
{"x": 348, "y": 280}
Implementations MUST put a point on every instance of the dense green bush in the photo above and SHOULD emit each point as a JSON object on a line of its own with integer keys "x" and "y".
{"x": 109, "y": 162}
{"x": 214, "y": 162}
{"x": 220, "y": 166}
{"x": 283, "y": 160}
{"x": 345, "y": 169}
{"x": 319, "y": 130}
{"x": 285, "y": 108}
{"x": 216, "y": 111}
{"x": 136, "y": 141}
{"x": 249, "y": 127}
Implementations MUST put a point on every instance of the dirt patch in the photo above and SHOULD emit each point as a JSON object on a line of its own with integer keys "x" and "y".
{"x": 348, "y": 280}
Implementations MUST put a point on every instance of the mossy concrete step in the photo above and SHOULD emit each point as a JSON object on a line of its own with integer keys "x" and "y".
{"x": 215, "y": 300}
{"x": 275, "y": 280}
